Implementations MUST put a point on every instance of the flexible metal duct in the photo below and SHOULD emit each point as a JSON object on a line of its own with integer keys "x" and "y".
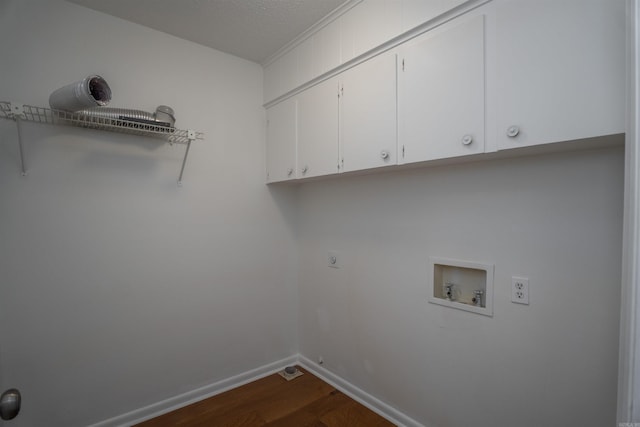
{"x": 92, "y": 91}
{"x": 162, "y": 117}
{"x": 118, "y": 114}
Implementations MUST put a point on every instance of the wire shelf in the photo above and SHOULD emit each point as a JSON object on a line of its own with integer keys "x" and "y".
{"x": 50, "y": 116}
{"x": 30, "y": 113}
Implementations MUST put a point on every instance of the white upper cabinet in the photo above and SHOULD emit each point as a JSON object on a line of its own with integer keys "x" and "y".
{"x": 326, "y": 45}
{"x": 441, "y": 93}
{"x": 313, "y": 57}
{"x": 306, "y": 61}
{"x": 281, "y": 75}
{"x": 318, "y": 130}
{"x": 365, "y": 26}
{"x": 560, "y": 70}
{"x": 369, "y": 24}
{"x": 416, "y": 12}
{"x": 281, "y": 141}
{"x": 501, "y": 75}
{"x": 368, "y": 114}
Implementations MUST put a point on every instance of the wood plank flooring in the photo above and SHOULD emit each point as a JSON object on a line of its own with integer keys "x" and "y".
{"x": 305, "y": 401}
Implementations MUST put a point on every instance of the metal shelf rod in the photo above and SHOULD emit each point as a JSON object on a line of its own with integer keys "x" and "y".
{"x": 19, "y": 126}
{"x": 184, "y": 161}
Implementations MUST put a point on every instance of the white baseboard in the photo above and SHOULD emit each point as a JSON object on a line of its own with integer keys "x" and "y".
{"x": 360, "y": 396}
{"x": 182, "y": 400}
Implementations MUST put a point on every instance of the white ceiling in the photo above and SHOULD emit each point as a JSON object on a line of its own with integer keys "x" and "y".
{"x": 250, "y": 29}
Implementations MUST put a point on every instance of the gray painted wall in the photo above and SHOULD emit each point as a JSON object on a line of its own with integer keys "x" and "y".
{"x": 556, "y": 219}
{"x": 122, "y": 289}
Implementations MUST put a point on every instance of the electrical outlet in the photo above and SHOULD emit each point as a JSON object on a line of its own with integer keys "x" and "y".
{"x": 520, "y": 290}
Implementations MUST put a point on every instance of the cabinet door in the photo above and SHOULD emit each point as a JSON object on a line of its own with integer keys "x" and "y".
{"x": 281, "y": 141}
{"x": 281, "y": 76}
{"x": 318, "y": 130}
{"x": 369, "y": 24}
{"x": 560, "y": 70}
{"x": 441, "y": 94}
{"x": 416, "y": 12}
{"x": 326, "y": 45}
{"x": 368, "y": 114}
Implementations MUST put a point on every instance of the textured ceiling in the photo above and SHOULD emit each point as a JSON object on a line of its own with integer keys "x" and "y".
{"x": 250, "y": 29}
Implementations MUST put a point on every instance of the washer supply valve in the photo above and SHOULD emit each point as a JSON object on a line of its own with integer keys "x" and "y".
{"x": 477, "y": 299}
{"x": 448, "y": 291}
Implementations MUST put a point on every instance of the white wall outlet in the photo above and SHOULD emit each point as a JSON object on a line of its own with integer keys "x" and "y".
{"x": 333, "y": 259}
{"x": 520, "y": 290}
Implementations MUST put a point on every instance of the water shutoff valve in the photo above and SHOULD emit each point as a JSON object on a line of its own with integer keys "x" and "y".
{"x": 448, "y": 291}
{"x": 477, "y": 298}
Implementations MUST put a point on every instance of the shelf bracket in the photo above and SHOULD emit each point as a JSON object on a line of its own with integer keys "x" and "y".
{"x": 191, "y": 135}
{"x": 17, "y": 112}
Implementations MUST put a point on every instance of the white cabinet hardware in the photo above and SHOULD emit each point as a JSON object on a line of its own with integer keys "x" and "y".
{"x": 513, "y": 131}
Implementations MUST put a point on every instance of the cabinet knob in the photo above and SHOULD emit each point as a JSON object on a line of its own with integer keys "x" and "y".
{"x": 513, "y": 131}
{"x": 384, "y": 154}
{"x": 467, "y": 139}
{"x": 289, "y": 171}
{"x": 305, "y": 169}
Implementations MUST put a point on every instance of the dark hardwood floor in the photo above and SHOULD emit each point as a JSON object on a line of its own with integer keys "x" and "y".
{"x": 305, "y": 401}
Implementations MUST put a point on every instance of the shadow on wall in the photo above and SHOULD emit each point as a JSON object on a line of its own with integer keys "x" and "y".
{"x": 285, "y": 197}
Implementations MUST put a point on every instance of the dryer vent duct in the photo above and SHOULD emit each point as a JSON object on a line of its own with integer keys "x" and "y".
{"x": 92, "y": 91}
{"x": 164, "y": 115}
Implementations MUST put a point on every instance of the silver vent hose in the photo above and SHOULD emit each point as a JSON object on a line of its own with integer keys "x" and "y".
{"x": 92, "y": 91}
{"x": 118, "y": 114}
{"x": 162, "y": 117}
